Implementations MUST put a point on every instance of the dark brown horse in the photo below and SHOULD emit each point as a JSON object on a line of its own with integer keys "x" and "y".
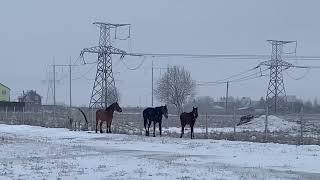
{"x": 107, "y": 116}
{"x": 188, "y": 118}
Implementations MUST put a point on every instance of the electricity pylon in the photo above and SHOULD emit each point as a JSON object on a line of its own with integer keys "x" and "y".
{"x": 276, "y": 93}
{"x": 104, "y": 88}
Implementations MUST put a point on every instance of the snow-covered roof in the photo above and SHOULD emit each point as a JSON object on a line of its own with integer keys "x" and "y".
{"x": 5, "y": 86}
{"x": 217, "y": 107}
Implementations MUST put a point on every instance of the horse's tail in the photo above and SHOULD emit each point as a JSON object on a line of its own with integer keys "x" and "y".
{"x": 145, "y": 119}
{"x": 84, "y": 115}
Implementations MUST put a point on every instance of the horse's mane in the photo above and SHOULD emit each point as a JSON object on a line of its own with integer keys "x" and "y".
{"x": 192, "y": 114}
{"x": 109, "y": 107}
{"x": 158, "y": 107}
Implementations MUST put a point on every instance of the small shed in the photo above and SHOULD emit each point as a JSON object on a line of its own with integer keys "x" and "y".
{"x": 4, "y": 93}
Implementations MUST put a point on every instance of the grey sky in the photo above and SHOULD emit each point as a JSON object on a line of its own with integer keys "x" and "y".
{"x": 32, "y": 32}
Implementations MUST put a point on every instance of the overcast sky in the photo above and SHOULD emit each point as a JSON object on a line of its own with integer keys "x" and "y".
{"x": 33, "y": 32}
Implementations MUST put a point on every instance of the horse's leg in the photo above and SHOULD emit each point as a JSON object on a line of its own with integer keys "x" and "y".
{"x": 192, "y": 132}
{"x": 182, "y": 130}
{"x": 110, "y": 127}
{"x": 149, "y": 124}
{"x": 154, "y": 128}
{"x": 145, "y": 121}
{"x": 191, "y": 126}
{"x": 160, "y": 129}
{"x": 101, "y": 126}
{"x": 96, "y": 125}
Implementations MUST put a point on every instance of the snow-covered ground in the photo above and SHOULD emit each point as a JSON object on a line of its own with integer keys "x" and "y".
{"x": 28, "y": 152}
{"x": 257, "y": 124}
{"x": 274, "y": 124}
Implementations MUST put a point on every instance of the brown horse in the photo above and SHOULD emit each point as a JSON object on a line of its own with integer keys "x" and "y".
{"x": 188, "y": 118}
{"x": 107, "y": 116}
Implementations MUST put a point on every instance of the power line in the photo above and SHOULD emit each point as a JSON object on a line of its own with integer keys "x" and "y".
{"x": 235, "y": 75}
{"x": 223, "y": 56}
{"x": 225, "y": 80}
{"x": 248, "y": 78}
{"x": 134, "y": 68}
{"x": 306, "y": 67}
{"x": 301, "y": 77}
{"x": 200, "y": 55}
{"x": 84, "y": 74}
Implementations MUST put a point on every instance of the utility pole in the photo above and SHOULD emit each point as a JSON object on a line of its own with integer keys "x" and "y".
{"x": 227, "y": 96}
{"x": 152, "y": 84}
{"x": 70, "y": 87}
{"x": 54, "y": 90}
{"x": 266, "y": 125}
{"x": 276, "y": 93}
{"x": 54, "y": 86}
{"x": 104, "y": 88}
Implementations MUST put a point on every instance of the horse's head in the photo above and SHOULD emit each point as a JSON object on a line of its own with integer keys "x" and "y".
{"x": 164, "y": 110}
{"x": 117, "y": 107}
{"x": 195, "y": 112}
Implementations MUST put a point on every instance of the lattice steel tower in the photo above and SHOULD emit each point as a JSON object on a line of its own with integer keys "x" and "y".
{"x": 104, "y": 88}
{"x": 276, "y": 93}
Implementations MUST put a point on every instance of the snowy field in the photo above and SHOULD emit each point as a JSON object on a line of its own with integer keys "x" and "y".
{"x": 28, "y": 152}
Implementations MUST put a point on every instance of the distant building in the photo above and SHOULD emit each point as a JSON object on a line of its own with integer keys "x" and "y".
{"x": 4, "y": 93}
{"x": 30, "y": 98}
{"x": 245, "y": 101}
{"x": 230, "y": 99}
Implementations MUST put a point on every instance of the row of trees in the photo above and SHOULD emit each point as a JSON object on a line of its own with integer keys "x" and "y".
{"x": 176, "y": 87}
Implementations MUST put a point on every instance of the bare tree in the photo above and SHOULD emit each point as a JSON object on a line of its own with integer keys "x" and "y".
{"x": 175, "y": 87}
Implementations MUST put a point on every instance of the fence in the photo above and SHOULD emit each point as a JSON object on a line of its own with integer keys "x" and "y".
{"x": 289, "y": 129}
{"x": 37, "y": 117}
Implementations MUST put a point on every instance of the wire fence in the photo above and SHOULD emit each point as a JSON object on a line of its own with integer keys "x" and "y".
{"x": 298, "y": 129}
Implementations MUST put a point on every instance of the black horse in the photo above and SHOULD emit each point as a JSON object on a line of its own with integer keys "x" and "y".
{"x": 155, "y": 115}
{"x": 188, "y": 118}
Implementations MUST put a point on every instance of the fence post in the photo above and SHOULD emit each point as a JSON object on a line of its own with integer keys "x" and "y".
{"x": 6, "y": 113}
{"x": 207, "y": 125}
{"x": 266, "y": 126}
{"x": 14, "y": 115}
{"x": 301, "y": 126}
{"x": 318, "y": 137}
{"x": 91, "y": 117}
{"x": 234, "y": 120}
{"x": 42, "y": 117}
